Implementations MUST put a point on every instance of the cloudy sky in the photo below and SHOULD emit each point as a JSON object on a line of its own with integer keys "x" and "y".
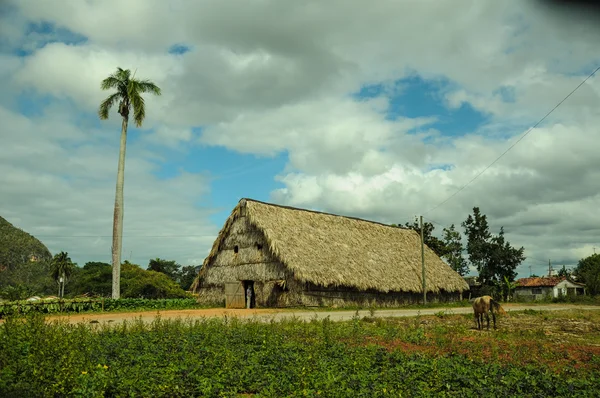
{"x": 379, "y": 110}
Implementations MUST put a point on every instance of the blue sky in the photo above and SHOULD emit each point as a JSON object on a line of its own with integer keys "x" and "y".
{"x": 415, "y": 97}
{"x": 238, "y": 175}
{"x": 303, "y": 95}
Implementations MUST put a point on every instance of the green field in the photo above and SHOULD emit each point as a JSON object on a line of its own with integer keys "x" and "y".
{"x": 15, "y": 308}
{"x": 532, "y": 354}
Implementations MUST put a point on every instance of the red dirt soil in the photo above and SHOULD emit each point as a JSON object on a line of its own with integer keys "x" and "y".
{"x": 557, "y": 357}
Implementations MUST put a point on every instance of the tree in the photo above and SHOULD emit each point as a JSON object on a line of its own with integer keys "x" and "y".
{"x": 188, "y": 274}
{"x": 478, "y": 235}
{"x": 431, "y": 241}
{"x": 62, "y": 268}
{"x": 492, "y": 255}
{"x": 16, "y": 292}
{"x": 564, "y": 272}
{"x": 167, "y": 267}
{"x": 504, "y": 259}
{"x": 140, "y": 283}
{"x": 454, "y": 248}
{"x": 588, "y": 272}
{"x": 27, "y": 279}
{"x": 508, "y": 287}
{"x": 129, "y": 95}
{"x": 95, "y": 278}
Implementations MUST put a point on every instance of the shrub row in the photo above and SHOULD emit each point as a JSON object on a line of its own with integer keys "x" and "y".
{"x": 85, "y": 305}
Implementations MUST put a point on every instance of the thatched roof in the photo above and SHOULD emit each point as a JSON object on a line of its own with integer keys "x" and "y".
{"x": 332, "y": 250}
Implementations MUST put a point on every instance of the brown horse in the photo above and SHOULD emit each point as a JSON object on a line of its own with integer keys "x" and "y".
{"x": 484, "y": 305}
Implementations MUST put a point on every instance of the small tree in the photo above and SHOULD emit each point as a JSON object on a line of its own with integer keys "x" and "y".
{"x": 454, "y": 248}
{"x": 564, "y": 272}
{"x": 167, "y": 267}
{"x": 188, "y": 274}
{"x": 62, "y": 268}
{"x": 588, "y": 272}
{"x": 478, "y": 236}
{"x": 504, "y": 259}
{"x": 507, "y": 288}
{"x": 493, "y": 256}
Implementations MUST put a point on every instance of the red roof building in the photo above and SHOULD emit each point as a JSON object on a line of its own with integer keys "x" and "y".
{"x": 544, "y": 281}
{"x": 536, "y": 288}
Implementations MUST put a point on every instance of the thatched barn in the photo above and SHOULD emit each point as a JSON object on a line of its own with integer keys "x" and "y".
{"x": 294, "y": 257}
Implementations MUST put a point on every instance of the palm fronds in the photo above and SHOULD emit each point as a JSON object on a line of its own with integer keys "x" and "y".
{"x": 107, "y": 104}
{"x": 128, "y": 93}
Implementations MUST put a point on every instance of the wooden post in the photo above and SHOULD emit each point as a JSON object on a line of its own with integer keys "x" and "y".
{"x": 423, "y": 261}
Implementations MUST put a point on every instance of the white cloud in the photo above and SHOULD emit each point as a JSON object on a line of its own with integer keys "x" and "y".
{"x": 75, "y": 72}
{"x": 275, "y": 77}
{"x": 172, "y": 137}
{"x": 58, "y": 193}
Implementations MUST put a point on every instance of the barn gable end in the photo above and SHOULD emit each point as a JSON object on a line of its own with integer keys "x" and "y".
{"x": 243, "y": 255}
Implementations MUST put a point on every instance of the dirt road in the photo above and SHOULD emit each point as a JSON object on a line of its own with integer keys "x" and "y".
{"x": 278, "y": 314}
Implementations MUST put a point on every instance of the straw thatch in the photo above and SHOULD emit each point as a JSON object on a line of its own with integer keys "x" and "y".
{"x": 325, "y": 250}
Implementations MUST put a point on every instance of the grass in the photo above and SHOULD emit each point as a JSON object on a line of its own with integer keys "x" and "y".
{"x": 532, "y": 353}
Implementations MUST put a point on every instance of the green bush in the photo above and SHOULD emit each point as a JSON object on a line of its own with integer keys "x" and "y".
{"x": 86, "y": 305}
{"x": 96, "y": 278}
{"x": 139, "y": 283}
{"x": 26, "y": 280}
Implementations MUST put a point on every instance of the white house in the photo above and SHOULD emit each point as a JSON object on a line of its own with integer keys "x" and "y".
{"x": 567, "y": 287}
{"x": 536, "y": 288}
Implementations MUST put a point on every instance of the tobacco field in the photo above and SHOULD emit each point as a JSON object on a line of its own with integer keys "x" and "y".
{"x": 532, "y": 354}
{"x": 94, "y": 305}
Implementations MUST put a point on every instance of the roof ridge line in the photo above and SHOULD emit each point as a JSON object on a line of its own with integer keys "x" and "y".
{"x": 324, "y": 213}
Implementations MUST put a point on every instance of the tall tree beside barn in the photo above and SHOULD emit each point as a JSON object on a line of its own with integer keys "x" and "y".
{"x": 478, "y": 234}
{"x": 128, "y": 93}
{"x": 504, "y": 258}
{"x": 493, "y": 256}
{"x": 454, "y": 250}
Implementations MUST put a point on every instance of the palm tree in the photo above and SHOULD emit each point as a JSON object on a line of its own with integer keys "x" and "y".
{"x": 62, "y": 268}
{"x": 128, "y": 94}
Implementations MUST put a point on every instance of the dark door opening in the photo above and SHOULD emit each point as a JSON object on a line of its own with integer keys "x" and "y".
{"x": 249, "y": 293}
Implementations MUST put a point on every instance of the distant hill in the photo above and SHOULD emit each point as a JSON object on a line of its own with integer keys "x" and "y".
{"x": 18, "y": 247}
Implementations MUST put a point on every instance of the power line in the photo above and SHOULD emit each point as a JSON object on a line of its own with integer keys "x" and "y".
{"x": 435, "y": 222}
{"x": 528, "y": 258}
{"x": 519, "y": 140}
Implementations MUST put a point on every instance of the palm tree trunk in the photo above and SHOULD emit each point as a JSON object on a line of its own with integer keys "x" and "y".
{"x": 64, "y": 280}
{"x": 118, "y": 217}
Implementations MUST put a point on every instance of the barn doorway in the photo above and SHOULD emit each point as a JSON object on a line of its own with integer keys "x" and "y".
{"x": 249, "y": 294}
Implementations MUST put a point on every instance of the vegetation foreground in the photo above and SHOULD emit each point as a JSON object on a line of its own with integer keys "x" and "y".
{"x": 532, "y": 354}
